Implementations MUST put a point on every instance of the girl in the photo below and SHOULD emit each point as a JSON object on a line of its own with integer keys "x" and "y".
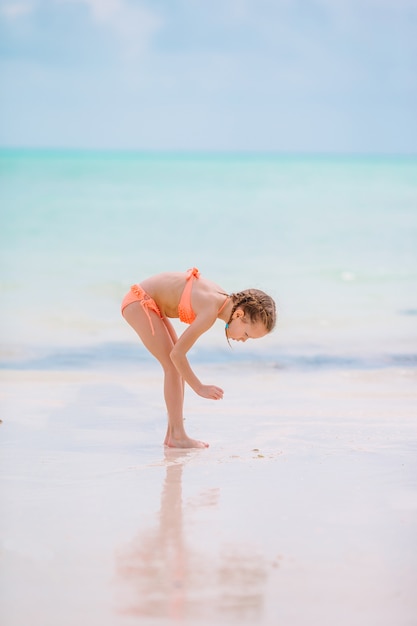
{"x": 249, "y": 314}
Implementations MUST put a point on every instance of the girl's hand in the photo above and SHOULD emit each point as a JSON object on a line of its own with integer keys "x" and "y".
{"x": 211, "y": 392}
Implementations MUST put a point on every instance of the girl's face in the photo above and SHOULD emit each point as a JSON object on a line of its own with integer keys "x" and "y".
{"x": 241, "y": 329}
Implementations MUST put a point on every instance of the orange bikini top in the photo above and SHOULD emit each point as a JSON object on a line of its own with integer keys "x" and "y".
{"x": 185, "y": 310}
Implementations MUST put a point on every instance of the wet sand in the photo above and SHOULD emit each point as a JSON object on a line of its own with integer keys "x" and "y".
{"x": 302, "y": 511}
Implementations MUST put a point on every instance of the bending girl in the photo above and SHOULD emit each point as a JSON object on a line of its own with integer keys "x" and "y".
{"x": 147, "y": 307}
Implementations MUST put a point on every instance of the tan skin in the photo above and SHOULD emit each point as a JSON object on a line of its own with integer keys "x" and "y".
{"x": 171, "y": 351}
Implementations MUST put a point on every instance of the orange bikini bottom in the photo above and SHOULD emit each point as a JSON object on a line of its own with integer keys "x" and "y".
{"x": 137, "y": 294}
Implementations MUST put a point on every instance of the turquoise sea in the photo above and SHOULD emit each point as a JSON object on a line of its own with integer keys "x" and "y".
{"x": 333, "y": 239}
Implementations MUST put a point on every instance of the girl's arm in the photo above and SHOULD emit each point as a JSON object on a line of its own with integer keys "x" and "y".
{"x": 201, "y": 324}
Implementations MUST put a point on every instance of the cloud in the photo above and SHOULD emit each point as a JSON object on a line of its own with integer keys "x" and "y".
{"x": 13, "y": 10}
{"x": 133, "y": 24}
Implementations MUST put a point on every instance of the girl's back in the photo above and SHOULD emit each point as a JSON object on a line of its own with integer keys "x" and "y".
{"x": 168, "y": 288}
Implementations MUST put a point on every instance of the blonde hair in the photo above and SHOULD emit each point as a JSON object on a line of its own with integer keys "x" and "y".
{"x": 256, "y": 305}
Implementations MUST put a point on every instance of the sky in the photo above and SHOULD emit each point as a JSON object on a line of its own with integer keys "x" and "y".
{"x": 298, "y": 76}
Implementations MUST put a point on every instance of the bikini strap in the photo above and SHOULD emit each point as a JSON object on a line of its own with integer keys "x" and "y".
{"x": 223, "y": 305}
{"x": 193, "y": 272}
{"x": 186, "y": 294}
{"x": 146, "y": 303}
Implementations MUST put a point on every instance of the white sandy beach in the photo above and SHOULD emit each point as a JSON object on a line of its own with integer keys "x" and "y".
{"x": 302, "y": 511}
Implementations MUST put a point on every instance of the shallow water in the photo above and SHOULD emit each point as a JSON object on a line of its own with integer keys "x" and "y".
{"x": 332, "y": 239}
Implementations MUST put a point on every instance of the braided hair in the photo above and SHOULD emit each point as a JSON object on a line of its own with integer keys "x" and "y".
{"x": 256, "y": 305}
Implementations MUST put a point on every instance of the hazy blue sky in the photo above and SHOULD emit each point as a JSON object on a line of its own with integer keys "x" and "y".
{"x": 283, "y": 75}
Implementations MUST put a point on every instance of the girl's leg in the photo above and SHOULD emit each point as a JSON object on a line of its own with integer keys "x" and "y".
{"x": 172, "y": 333}
{"x": 160, "y": 345}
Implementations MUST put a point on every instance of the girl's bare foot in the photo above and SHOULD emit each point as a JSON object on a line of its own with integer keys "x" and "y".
{"x": 185, "y": 442}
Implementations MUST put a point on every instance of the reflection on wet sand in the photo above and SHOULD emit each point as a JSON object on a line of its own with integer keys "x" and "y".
{"x": 162, "y": 573}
